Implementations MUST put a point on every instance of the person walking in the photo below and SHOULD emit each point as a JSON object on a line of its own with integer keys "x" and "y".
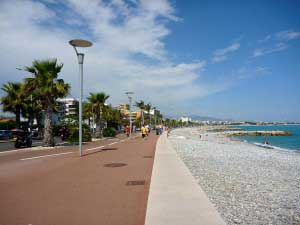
{"x": 147, "y": 129}
{"x": 144, "y": 131}
{"x": 127, "y": 130}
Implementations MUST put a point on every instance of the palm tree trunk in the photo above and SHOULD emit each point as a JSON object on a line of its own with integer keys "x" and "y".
{"x": 39, "y": 125}
{"x": 30, "y": 118}
{"x": 98, "y": 126}
{"x": 18, "y": 116}
{"x": 142, "y": 111}
{"x": 48, "y": 130}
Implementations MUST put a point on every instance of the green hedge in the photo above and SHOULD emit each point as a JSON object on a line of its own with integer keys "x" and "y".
{"x": 109, "y": 132}
{"x": 74, "y": 133}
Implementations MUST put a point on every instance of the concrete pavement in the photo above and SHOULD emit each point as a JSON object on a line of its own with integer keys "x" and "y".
{"x": 175, "y": 198}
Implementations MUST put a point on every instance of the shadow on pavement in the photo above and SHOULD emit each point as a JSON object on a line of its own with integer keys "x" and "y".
{"x": 102, "y": 150}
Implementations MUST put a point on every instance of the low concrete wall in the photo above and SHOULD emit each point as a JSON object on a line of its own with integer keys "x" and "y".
{"x": 175, "y": 198}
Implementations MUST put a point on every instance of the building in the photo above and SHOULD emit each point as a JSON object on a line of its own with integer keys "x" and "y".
{"x": 135, "y": 114}
{"x": 69, "y": 106}
{"x": 185, "y": 119}
{"x": 124, "y": 108}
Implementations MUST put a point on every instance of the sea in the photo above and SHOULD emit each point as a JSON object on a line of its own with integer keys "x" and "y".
{"x": 283, "y": 142}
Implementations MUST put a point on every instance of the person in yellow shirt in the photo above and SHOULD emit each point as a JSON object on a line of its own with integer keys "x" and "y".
{"x": 144, "y": 131}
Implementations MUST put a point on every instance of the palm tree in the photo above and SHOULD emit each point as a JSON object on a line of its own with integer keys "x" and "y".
{"x": 148, "y": 108}
{"x": 87, "y": 112}
{"x": 98, "y": 102}
{"x": 141, "y": 105}
{"x": 14, "y": 99}
{"x": 49, "y": 88}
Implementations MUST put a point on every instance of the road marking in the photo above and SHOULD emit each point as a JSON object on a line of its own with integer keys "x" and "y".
{"x": 113, "y": 143}
{"x": 42, "y": 156}
{"x": 17, "y": 150}
{"x": 90, "y": 149}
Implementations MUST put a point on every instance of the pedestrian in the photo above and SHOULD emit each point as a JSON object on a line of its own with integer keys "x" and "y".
{"x": 147, "y": 129}
{"x": 127, "y": 130}
{"x": 144, "y": 131}
{"x": 157, "y": 129}
{"x": 160, "y": 129}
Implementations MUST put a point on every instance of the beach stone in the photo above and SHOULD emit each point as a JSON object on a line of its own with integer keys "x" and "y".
{"x": 246, "y": 183}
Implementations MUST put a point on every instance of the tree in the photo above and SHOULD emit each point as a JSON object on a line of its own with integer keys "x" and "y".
{"x": 97, "y": 100}
{"x": 14, "y": 99}
{"x": 159, "y": 117}
{"x": 148, "y": 109}
{"x": 88, "y": 112}
{"x": 48, "y": 88}
{"x": 141, "y": 105}
{"x": 113, "y": 117}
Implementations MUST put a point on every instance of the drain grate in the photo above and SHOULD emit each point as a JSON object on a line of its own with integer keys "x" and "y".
{"x": 113, "y": 165}
{"x": 135, "y": 182}
{"x": 148, "y": 157}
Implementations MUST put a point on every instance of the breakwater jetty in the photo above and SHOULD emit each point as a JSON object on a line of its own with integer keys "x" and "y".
{"x": 259, "y": 133}
{"x": 220, "y": 128}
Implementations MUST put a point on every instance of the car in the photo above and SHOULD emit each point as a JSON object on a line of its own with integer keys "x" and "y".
{"x": 5, "y": 135}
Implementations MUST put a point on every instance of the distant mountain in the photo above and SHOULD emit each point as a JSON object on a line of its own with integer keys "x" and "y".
{"x": 205, "y": 118}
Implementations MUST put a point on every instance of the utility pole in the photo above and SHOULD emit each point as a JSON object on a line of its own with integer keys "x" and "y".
{"x": 130, "y": 111}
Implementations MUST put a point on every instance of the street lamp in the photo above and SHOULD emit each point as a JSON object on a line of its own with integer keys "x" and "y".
{"x": 130, "y": 100}
{"x": 154, "y": 108}
{"x": 31, "y": 109}
{"x": 80, "y": 43}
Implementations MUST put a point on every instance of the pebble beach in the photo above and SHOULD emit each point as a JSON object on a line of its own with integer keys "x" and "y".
{"x": 246, "y": 183}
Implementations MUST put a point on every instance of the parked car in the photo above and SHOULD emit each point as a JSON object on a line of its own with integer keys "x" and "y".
{"x": 5, "y": 135}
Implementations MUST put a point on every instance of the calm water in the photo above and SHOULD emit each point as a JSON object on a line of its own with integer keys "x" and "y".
{"x": 287, "y": 142}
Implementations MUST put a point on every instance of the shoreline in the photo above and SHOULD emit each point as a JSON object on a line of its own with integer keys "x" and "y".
{"x": 274, "y": 147}
{"x": 247, "y": 184}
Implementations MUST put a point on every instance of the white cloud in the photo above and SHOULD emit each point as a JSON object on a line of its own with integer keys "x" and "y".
{"x": 264, "y": 51}
{"x": 231, "y": 48}
{"x": 248, "y": 73}
{"x": 128, "y": 51}
{"x": 288, "y": 35}
{"x": 219, "y": 58}
{"x": 266, "y": 38}
{"x": 221, "y": 54}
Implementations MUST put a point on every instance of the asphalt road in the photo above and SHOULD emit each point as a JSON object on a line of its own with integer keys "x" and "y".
{"x": 6, "y": 146}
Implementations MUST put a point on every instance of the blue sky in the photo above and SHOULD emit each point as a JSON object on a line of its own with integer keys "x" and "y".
{"x": 233, "y": 59}
{"x": 272, "y": 93}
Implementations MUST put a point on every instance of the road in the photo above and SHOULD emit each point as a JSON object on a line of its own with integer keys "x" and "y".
{"x": 108, "y": 185}
{"x": 6, "y": 146}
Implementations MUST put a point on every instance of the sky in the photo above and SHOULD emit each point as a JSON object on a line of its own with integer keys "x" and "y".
{"x": 230, "y": 59}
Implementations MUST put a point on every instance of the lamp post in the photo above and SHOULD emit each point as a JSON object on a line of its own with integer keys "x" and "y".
{"x": 31, "y": 109}
{"x": 130, "y": 100}
{"x": 80, "y": 43}
{"x": 154, "y": 108}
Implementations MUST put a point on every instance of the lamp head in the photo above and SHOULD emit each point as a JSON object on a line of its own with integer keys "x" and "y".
{"x": 80, "y": 43}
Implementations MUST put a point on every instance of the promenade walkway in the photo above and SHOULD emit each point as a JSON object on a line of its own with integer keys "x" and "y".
{"x": 175, "y": 198}
{"x": 107, "y": 186}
